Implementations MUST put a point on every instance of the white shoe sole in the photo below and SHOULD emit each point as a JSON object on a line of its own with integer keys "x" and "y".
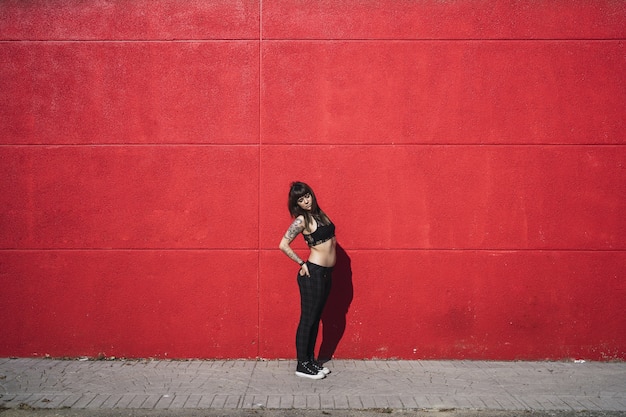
{"x": 319, "y": 375}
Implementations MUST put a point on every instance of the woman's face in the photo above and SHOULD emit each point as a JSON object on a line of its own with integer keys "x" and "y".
{"x": 306, "y": 202}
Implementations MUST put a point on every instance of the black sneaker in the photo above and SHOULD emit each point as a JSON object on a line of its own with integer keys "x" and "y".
{"x": 319, "y": 367}
{"x": 306, "y": 370}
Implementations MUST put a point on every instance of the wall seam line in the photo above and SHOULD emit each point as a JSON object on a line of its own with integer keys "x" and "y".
{"x": 347, "y": 40}
{"x": 267, "y": 249}
{"x": 258, "y": 249}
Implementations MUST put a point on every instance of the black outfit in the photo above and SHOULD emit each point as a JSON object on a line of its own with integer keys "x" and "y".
{"x": 323, "y": 233}
{"x": 314, "y": 291}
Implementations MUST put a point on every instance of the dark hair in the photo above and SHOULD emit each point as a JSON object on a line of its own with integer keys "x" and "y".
{"x": 297, "y": 190}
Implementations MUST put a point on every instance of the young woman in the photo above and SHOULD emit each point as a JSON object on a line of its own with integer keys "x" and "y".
{"x": 314, "y": 277}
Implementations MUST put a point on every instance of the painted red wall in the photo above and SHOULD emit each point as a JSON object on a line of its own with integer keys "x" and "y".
{"x": 472, "y": 156}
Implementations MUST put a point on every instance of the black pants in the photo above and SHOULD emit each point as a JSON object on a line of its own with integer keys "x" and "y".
{"x": 314, "y": 292}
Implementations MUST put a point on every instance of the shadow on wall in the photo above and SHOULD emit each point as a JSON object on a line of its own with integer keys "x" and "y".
{"x": 337, "y": 306}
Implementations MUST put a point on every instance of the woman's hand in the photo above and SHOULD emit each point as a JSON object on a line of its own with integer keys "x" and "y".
{"x": 304, "y": 270}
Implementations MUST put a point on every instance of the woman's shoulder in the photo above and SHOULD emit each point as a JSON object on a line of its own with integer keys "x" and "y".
{"x": 299, "y": 221}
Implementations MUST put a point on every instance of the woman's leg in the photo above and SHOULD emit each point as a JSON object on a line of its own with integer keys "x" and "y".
{"x": 324, "y": 290}
{"x": 314, "y": 291}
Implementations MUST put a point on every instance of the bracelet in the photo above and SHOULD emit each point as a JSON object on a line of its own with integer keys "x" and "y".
{"x": 302, "y": 263}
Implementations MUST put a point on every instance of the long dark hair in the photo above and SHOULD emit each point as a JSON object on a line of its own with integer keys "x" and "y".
{"x": 297, "y": 190}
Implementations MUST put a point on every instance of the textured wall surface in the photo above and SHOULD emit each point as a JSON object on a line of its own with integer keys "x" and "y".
{"x": 472, "y": 155}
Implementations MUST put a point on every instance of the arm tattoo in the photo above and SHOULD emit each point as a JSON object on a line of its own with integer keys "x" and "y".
{"x": 292, "y": 255}
{"x": 296, "y": 228}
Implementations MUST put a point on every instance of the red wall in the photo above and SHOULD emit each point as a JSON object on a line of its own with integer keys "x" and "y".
{"x": 472, "y": 155}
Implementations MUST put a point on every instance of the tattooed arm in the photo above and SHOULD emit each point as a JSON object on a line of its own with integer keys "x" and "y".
{"x": 294, "y": 230}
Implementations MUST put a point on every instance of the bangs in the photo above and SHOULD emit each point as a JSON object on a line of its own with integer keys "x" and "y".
{"x": 300, "y": 189}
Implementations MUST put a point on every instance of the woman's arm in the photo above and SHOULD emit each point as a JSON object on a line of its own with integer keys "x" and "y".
{"x": 294, "y": 230}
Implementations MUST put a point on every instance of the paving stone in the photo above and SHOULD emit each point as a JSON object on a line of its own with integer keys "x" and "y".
{"x": 273, "y": 401}
{"x": 97, "y": 401}
{"x": 124, "y": 401}
{"x": 287, "y": 401}
{"x": 150, "y": 401}
{"x": 299, "y": 402}
{"x": 353, "y": 384}
{"x": 83, "y": 400}
{"x": 164, "y": 402}
{"x": 206, "y": 401}
{"x": 178, "y": 401}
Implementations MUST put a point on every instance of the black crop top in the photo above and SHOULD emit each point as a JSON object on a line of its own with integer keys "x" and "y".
{"x": 321, "y": 234}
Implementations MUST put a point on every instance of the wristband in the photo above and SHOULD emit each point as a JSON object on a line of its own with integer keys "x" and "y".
{"x": 302, "y": 263}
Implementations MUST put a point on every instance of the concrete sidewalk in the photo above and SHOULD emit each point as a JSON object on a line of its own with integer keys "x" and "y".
{"x": 352, "y": 385}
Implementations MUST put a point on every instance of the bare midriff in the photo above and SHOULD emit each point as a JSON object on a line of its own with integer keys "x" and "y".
{"x": 324, "y": 254}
